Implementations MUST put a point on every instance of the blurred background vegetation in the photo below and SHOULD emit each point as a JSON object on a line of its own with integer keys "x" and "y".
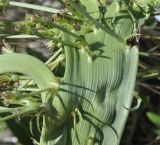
{"x": 143, "y": 125}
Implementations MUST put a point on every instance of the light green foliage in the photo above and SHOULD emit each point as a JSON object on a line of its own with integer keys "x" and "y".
{"x": 90, "y": 104}
{"x": 154, "y": 118}
{"x": 141, "y": 3}
{"x": 3, "y": 5}
{"x": 145, "y": 6}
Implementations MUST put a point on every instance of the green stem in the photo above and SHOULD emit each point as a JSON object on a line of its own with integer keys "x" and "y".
{"x": 34, "y": 7}
{"x": 6, "y": 109}
{"x": 65, "y": 43}
{"x": 27, "y": 89}
{"x": 62, "y": 28}
{"x": 67, "y": 31}
{"x": 20, "y": 36}
{"x": 24, "y": 110}
{"x": 54, "y": 56}
{"x": 25, "y": 84}
{"x": 149, "y": 54}
{"x": 38, "y": 92}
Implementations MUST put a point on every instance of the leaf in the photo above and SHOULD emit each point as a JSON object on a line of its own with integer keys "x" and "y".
{"x": 154, "y": 118}
{"x": 107, "y": 81}
{"x": 92, "y": 7}
{"x": 98, "y": 86}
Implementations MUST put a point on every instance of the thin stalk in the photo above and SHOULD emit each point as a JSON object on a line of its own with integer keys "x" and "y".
{"x": 25, "y": 84}
{"x": 156, "y": 13}
{"x": 34, "y": 7}
{"x": 149, "y": 54}
{"x": 38, "y": 92}
{"x": 148, "y": 76}
{"x": 151, "y": 75}
{"x": 7, "y": 110}
{"x": 151, "y": 37}
{"x": 149, "y": 87}
{"x": 154, "y": 48}
{"x": 65, "y": 43}
{"x": 67, "y": 31}
{"x": 21, "y": 36}
{"x": 24, "y": 110}
{"x": 27, "y": 89}
{"x": 54, "y": 56}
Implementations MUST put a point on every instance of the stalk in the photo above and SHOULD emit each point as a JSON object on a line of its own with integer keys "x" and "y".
{"x": 34, "y": 7}
{"x": 20, "y": 36}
